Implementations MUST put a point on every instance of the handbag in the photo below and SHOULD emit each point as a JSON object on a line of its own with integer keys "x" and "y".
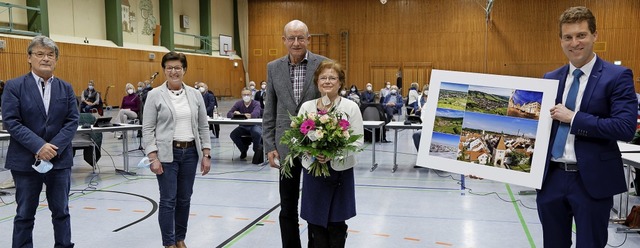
{"x": 633, "y": 219}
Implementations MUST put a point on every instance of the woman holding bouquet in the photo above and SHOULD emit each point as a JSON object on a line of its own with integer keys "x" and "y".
{"x": 328, "y": 201}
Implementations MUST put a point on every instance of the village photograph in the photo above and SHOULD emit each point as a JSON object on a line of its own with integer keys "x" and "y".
{"x": 490, "y": 100}
{"x": 444, "y": 145}
{"x": 498, "y": 141}
{"x": 448, "y": 121}
{"x": 453, "y": 96}
{"x": 525, "y": 104}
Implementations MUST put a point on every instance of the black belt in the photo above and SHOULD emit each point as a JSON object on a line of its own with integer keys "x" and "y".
{"x": 565, "y": 166}
{"x": 183, "y": 144}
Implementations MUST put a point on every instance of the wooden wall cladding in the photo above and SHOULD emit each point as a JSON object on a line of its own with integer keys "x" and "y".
{"x": 117, "y": 66}
{"x": 522, "y": 37}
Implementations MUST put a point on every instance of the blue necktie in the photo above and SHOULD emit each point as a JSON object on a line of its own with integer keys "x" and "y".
{"x": 563, "y": 130}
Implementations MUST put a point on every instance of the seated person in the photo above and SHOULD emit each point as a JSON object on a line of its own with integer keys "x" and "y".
{"x": 343, "y": 93}
{"x": 414, "y": 95}
{"x": 130, "y": 105}
{"x": 90, "y": 99}
{"x": 368, "y": 96}
{"x": 392, "y": 104}
{"x": 354, "y": 95}
{"x": 422, "y": 100}
{"x": 384, "y": 92}
{"x": 251, "y": 109}
{"x": 260, "y": 95}
{"x": 211, "y": 105}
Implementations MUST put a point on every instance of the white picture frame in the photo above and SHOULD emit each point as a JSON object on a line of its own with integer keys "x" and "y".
{"x": 506, "y": 143}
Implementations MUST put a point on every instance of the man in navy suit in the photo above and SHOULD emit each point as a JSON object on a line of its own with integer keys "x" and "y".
{"x": 584, "y": 166}
{"x": 41, "y": 114}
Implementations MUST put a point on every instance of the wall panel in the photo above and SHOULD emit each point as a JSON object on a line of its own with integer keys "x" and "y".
{"x": 521, "y": 37}
{"x": 118, "y": 66}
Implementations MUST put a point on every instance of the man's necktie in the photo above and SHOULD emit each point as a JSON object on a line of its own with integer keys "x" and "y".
{"x": 42, "y": 84}
{"x": 563, "y": 130}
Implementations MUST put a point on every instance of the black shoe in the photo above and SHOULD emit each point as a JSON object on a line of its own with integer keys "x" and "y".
{"x": 120, "y": 136}
{"x": 386, "y": 141}
{"x": 243, "y": 154}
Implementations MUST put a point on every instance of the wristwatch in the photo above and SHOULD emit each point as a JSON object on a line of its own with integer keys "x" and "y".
{"x": 207, "y": 156}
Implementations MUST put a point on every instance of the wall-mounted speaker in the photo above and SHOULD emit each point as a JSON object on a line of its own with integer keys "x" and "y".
{"x": 152, "y": 56}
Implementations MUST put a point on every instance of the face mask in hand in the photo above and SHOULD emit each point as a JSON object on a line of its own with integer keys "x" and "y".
{"x": 246, "y": 98}
{"x": 144, "y": 163}
{"x": 43, "y": 167}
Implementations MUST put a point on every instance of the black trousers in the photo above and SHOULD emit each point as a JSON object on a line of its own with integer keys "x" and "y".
{"x": 289, "y": 196}
{"x": 333, "y": 236}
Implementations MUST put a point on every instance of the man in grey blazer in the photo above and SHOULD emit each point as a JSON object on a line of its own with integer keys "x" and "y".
{"x": 289, "y": 84}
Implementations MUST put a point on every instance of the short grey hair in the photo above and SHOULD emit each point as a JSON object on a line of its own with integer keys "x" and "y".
{"x": 296, "y": 25}
{"x": 43, "y": 41}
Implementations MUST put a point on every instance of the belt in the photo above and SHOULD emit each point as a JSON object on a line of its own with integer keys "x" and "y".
{"x": 183, "y": 144}
{"x": 565, "y": 166}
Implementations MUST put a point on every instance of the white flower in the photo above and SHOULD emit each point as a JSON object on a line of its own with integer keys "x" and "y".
{"x": 294, "y": 140}
{"x": 324, "y": 119}
{"x": 345, "y": 133}
{"x": 319, "y": 134}
{"x": 311, "y": 115}
{"x": 293, "y": 124}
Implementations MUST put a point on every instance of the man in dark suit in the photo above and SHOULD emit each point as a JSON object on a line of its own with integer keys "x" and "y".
{"x": 595, "y": 106}
{"x": 289, "y": 84}
{"x": 41, "y": 114}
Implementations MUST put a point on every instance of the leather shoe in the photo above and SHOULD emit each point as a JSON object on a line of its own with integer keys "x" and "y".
{"x": 181, "y": 244}
{"x": 386, "y": 141}
{"x": 243, "y": 154}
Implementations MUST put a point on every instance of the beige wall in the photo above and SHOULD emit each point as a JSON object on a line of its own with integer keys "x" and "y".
{"x": 77, "y": 18}
{"x": 19, "y": 15}
{"x": 222, "y": 19}
{"x": 189, "y": 8}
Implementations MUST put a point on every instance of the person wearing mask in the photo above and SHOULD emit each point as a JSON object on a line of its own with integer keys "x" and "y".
{"x": 130, "y": 105}
{"x": 40, "y": 113}
{"x": 392, "y": 104}
{"x": 596, "y": 106}
{"x": 384, "y": 92}
{"x": 90, "y": 99}
{"x": 251, "y": 109}
{"x": 176, "y": 139}
{"x": 211, "y": 104}
{"x": 368, "y": 96}
{"x": 285, "y": 94}
{"x": 327, "y": 202}
{"x": 343, "y": 93}
{"x": 354, "y": 94}
{"x": 422, "y": 100}
{"x": 252, "y": 88}
{"x": 413, "y": 95}
{"x": 260, "y": 95}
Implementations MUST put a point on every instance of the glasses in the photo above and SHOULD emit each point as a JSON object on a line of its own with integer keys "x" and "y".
{"x": 328, "y": 79}
{"x": 300, "y": 39}
{"x": 41, "y": 55}
{"x": 178, "y": 69}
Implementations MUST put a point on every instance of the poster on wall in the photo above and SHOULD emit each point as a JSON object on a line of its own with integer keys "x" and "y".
{"x": 491, "y": 126}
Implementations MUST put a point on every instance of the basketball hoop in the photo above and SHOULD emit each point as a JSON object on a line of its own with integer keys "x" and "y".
{"x": 230, "y": 53}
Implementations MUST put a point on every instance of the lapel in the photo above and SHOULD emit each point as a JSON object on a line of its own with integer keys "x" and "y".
{"x": 284, "y": 66}
{"x": 562, "y": 78}
{"x": 592, "y": 81}
{"x": 33, "y": 90}
{"x": 164, "y": 93}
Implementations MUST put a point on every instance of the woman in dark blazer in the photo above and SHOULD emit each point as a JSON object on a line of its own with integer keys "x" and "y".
{"x": 327, "y": 202}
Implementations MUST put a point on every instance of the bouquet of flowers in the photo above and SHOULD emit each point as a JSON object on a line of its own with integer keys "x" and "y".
{"x": 312, "y": 134}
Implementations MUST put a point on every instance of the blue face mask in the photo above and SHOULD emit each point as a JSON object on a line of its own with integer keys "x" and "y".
{"x": 44, "y": 166}
{"x": 139, "y": 88}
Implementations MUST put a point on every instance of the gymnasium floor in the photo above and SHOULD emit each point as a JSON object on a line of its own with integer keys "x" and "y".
{"x": 236, "y": 205}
